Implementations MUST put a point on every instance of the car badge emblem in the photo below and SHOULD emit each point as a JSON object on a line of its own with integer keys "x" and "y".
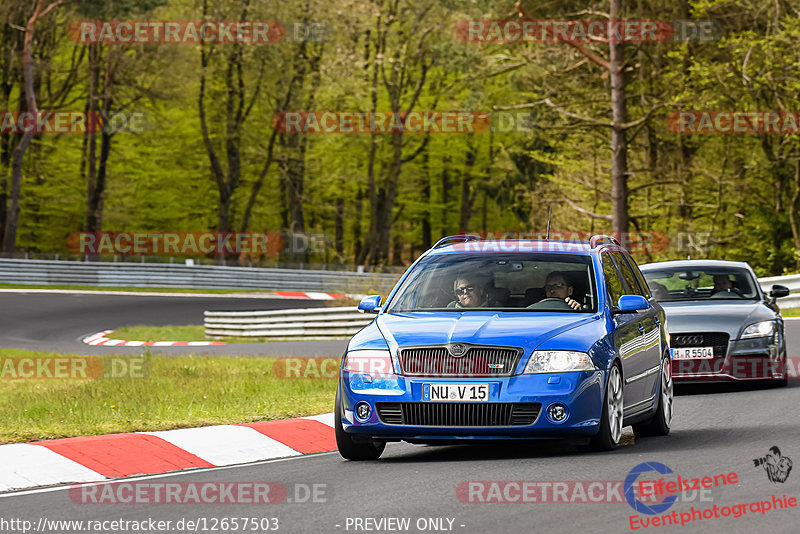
{"x": 495, "y": 366}
{"x": 457, "y": 349}
{"x": 688, "y": 340}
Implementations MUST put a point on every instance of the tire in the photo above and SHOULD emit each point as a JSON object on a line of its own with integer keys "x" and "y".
{"x": 660, "y": 423}
{"x": 607, "y": 439}
{"x": 349, "y": 449}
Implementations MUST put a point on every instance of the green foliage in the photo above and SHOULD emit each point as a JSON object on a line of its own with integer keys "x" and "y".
{"x": 721, "y": 195}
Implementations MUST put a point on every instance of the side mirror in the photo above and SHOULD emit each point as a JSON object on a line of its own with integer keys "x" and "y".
{"x": 632, "y": 303}
{"x": 779, "y": 292}
{"x": 370, "y": 304}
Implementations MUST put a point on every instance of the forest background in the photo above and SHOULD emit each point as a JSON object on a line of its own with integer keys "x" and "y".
{"x": 589, "y": 135}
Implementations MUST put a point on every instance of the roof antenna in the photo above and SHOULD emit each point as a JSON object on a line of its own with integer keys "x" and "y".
{"x": 547, "y": 236}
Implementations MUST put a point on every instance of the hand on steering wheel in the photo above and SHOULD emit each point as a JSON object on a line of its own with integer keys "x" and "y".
{"x": 567, "y": 302}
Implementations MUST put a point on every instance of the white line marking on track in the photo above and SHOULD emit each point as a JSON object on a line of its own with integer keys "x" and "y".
{"x": 166, "y": 475}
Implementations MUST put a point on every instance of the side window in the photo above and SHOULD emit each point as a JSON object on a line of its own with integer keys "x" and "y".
{"x": 627, "y": 274}
{"x": 645, "y": 289}
{"x": 613, "y": 281}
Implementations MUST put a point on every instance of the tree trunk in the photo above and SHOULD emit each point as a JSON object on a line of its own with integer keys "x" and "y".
{"x": 467, "y": 198}
{"x": 357, "y": 246}
{"x": 619, "y": 116}
{"x": 94, "y": 214}
{"x": 426, "y": 199}
{"x": 445, "y": 179}
{"x": 12, "y": 215}
{"x": 792, "y": 208}
{"x": 91, "y": 135}
{"x": 339, "y": 227}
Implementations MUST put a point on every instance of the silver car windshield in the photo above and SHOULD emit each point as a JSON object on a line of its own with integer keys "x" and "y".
{"x": 508, "y": 282}
{"x": 713, "y": 284}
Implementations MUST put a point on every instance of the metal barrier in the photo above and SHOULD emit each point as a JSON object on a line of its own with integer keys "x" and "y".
{"x": 791, "y": 281}
{"x": 304, "y": 322}
{"x": 344, "y": 322}
{"x": 107, "y": 274}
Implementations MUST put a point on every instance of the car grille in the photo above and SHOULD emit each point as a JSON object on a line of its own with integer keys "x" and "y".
{"x": 458, "y": 414}
{"x": 718, "y": 340}
{"x": 475, "y": 362}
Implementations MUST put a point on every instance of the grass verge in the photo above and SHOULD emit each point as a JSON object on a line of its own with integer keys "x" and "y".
{"x": 173, "y": 333}
{"x": 790, "y": 312}
{"x": 178, "y": 392}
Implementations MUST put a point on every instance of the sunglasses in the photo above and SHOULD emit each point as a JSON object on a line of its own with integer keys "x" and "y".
{"x": 557, "y": 285}
{"x": 464, "y": 290}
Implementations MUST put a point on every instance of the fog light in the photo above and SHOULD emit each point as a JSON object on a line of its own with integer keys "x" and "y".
{"x": 557, "y": 413}
{"x": 363, "y": 411}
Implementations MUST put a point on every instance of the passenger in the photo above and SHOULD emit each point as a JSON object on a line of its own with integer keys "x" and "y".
{"x": 659, "y": 291}
{"x": 470, "y": 292}
{"x": 556, "y": 286}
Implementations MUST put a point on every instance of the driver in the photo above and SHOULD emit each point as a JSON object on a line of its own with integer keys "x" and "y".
{"x": 722, "y": 283}
{"x": 556, "y": 286}
{"x": 470, "y": 292}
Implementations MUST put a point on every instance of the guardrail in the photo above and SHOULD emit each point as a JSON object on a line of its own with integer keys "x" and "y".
{"x": 304, "y": 322}
{"x": 344, "y": 322}
{"x": 107, "y": 274}
{"x": 792, "y": 282}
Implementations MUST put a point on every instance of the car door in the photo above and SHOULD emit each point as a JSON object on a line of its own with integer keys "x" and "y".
{"x": 626, "y": 337}
{"x": 649, "y": 326}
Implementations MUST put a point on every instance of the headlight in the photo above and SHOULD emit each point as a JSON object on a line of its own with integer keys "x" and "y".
{"x": 762, "y": 329}
{"x": 556, "y": 361}
{"x": 372, "y": 362}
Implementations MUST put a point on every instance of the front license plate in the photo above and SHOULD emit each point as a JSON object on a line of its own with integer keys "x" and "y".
{"x": 455, "y": 392}
{"x": 693, "y": 352}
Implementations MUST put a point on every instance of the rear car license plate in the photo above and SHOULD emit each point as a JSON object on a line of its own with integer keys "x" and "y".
{"x": 455, "y": 392}
{"x": 693, "y": 352}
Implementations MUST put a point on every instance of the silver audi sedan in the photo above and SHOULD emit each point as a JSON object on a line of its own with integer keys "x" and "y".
{"x": 721, "y": 324}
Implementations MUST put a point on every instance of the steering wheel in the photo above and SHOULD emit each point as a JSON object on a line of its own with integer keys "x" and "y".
{"x": 549, "y": 303}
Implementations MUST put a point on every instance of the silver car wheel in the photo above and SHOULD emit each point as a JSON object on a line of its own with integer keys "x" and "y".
{"x": 666, "y": 391}
{"x": 614, "y": 403}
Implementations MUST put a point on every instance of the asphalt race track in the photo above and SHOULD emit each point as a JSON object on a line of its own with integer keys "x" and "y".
{"x": 716, "y": 430}
{"x": 58, "y": 321}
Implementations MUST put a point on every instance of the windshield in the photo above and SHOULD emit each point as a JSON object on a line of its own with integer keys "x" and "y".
{"x": 514, "y": 282}
{"x": 701, "y": 283}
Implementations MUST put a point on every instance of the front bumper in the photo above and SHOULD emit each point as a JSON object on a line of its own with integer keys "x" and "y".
{"x": 745, "y": 359}
{"x": 580, "y": 392}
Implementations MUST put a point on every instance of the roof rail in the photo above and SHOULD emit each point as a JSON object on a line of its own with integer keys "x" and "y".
{"x": 596, "y": 239}
{"x": 460, "y": 238}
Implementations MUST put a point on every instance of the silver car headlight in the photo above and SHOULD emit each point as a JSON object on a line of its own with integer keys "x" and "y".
{"x": 760, "y": 329}
{"x": 556, "y": 361}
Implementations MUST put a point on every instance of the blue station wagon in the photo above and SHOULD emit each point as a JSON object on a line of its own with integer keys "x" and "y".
{"x": 508, "y": 339}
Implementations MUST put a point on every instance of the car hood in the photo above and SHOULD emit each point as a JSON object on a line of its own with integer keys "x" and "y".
{"x": 511, "y": 329}
{"x": 697, "y": 316}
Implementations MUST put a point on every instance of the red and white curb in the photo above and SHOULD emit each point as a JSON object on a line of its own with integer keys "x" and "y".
{"x": 315, "y": 296}
{"x": 98, "y": 458}
{"x": 101, "y": 339}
